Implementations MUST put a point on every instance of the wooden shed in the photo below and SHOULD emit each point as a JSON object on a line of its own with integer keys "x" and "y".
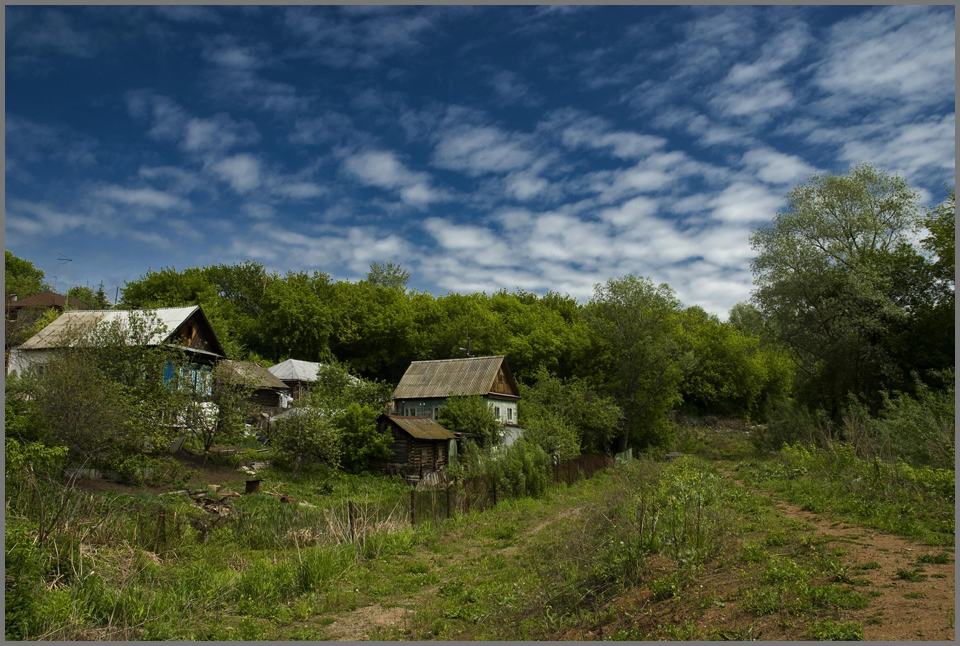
{"x": 419, "y": 443}
{"x": 269, "y": 392}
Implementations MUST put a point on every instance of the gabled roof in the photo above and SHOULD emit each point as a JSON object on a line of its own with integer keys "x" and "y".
{"x": 70, "y": 325}
{"x": 259, "y": 376}
{"x": 296, "y": 370}
{"x": 422, "y": 428}
{"x": 473, "y": 376}
{"x": 48, "y": 299}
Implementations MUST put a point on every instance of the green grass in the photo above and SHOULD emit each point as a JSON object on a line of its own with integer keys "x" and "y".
{"x": 910, "y": 575}
{"x": 916, "y": 503}
{"x": 829, "y": 630}
{"x": 942, "y": 557}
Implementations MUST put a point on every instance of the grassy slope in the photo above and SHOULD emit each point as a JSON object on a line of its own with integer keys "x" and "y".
{"x": 653, "y": 552}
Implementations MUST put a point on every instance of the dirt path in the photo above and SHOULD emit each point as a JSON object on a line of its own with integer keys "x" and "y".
{"x": 909, "y": 610}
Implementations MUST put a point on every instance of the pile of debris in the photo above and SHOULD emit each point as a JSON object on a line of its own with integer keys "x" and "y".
{"x": 213, "y": 498}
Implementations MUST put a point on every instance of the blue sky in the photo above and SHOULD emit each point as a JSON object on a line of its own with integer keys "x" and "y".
{"x": 481, "y": 147}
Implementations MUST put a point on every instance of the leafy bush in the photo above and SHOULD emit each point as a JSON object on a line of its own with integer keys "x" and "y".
{"x": 304, "y": 435}
{"x": 471, "y": 415}
{"x": 920, "y": 429}
{"x": 360, "y": 440}
{"x": 552, "y": 433}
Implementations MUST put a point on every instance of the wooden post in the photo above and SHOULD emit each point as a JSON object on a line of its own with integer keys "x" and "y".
{"x": 448, "y": 501}
{"x": 353, "y": 532}
{"x": 494, "y": 493}
{"x": 413, "y": 518}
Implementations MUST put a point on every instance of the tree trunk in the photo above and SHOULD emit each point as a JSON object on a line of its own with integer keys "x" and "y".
{"x": 624, "y": 438}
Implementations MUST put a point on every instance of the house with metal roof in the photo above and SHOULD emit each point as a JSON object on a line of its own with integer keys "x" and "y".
{"x": 425, "y": 386}
{"x": 299, "y": 376}
{"x": 185, "y": 328}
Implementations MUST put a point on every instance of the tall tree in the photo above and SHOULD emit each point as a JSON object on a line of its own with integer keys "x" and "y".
{"x": 638, "y": 326}
{"x": 389, "y": 275}
{"x": 828, "y": 280}
{"x": 21, "y": 277}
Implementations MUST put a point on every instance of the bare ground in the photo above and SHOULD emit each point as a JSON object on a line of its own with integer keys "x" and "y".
{"x": 929, "y": 617}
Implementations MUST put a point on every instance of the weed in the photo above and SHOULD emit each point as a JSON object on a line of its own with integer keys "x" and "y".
{"x": 938, "y": 576}
{"x": 910, "y": 575}
{"x": 829, "y": 630}
{"x": 875, "y": 619}
{"x": 915, "y": 595}
{"x": 942, "y": 557}
{"x": 871, "y": 565}
{"x": 753, "y": 554}
{"x": 777, "y": 539}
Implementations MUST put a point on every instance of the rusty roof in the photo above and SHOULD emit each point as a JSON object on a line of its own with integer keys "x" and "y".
{"x": 259, "y": 376}
{"x": 422, "y": 428}
{"x": 48, "y": 299}
{"x": 444, "y": 377}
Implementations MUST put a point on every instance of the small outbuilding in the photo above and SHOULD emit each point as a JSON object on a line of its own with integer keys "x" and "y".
{"x": 270, "y": 394}
{"x": 419, "y": 443}
{"x": 299, "y": 376}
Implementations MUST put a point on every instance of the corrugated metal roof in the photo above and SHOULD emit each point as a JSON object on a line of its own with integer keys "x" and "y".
{"x": 473, "y": 376}
{"x": 69, "y": 326}
{"x": 296, "y": 370}
{"x": 257, "y": 374}
{"x": 422, "y": 428}
{"x": 47, "y": 299}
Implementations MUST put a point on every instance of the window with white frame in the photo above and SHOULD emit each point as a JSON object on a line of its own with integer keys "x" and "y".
{"x": 496, "y": 411}
{"x": 509, "y": 414}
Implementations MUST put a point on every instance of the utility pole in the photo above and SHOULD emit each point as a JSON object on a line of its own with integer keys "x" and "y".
{"x": 467, "y": 349}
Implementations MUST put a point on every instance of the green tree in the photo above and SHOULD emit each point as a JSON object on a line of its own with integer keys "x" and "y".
{"x": 746, "y": 318}
{"x": 359, "y": 437}
{"x": 471, "y": 414}
{"x": 22, "y": 278}
{"x": 389, "y": 275}
{"x": 567, "y": 415}
{"x": 638, "y": 328}
{"x": 306, "y": 434}
{"x": 832, "y": 274}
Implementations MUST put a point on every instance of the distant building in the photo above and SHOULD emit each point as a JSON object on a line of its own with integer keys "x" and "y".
{"x": 38, "y": 303}
{"x": 298, "y": 376}
{"x": 425, "y": 386}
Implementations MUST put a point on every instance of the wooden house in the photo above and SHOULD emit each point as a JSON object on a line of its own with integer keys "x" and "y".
{"x": 419, "y": 444}
{"x": 425, "y": 386}
{"x": 185, "y": 328}
{"x": 39, "y": 303}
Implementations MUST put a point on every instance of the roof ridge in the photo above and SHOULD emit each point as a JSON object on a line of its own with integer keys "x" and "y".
{"x": 489, "y": 356}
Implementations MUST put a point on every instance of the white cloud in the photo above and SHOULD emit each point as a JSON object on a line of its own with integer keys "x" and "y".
{"x": 904, "y": 54}
{"x": 242, "y": 172}
{"x": 300, "y": 190}
{"x": 142, "y": 197}
{"x": 742, "y": 202}
{"x": 476, "y": 150}
{"x": 775, "y": 167}
{"x": 384, "y": 170}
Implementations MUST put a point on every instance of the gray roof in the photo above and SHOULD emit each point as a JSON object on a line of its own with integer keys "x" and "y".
{"x": 296, "y": 370}
{"x": 444, "y": 377}
{"x": 70, "y": 326}
{"x": 422, "y": 428}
